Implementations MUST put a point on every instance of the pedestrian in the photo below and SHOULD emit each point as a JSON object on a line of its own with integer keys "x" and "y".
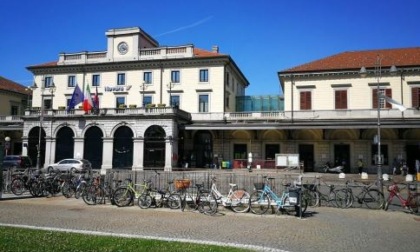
{"x": 417, "y": 166}
{"x": 395, "y": 167}
{"x": 404, "y": 168}
{"x": 360, "y": 165}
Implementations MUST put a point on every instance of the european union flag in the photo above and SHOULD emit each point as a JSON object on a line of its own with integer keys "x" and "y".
{"x": 76, "y": 98}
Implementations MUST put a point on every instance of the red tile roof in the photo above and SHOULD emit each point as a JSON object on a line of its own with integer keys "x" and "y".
{"x": 203, "y": 53}
{"x": 354, "y": 60}
{"x": 12, "y": 86}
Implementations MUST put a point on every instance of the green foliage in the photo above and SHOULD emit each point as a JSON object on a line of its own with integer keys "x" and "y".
{"x": 20, "y": 239}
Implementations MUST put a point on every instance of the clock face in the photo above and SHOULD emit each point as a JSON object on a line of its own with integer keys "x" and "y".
{"x": 122, "y": 48}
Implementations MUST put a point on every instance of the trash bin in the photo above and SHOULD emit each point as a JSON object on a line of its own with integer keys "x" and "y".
{"x": 224, "y": 164}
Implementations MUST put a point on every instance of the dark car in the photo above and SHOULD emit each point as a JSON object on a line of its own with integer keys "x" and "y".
{"x": 16, "y": 161}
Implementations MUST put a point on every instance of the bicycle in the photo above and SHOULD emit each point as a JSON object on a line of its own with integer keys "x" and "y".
{"x": 160, "y": 198}
{"x": 237, "y": 199}
{"x": 412, "y": 201}
{"x": 371, "y": 197}
{"x": 124, "y": 195}
{"x": 315, "y": 196}
{"x": 263, "y": 198}
{"x": 94, "y": 193}
{"x": 203, "y": 200}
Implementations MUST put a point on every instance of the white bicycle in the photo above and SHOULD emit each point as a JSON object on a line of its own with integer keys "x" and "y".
{"x": 237, "y": 199}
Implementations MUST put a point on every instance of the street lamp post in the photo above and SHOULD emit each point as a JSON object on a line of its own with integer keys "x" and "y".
{"x": 143, "y": 87}
{"x": 7, "y": 144}
{"x": 41, "y": 119}
{"x": 378, "y": 75}
{"x": 170, "y": 85}
{"x": 52, "y": 91}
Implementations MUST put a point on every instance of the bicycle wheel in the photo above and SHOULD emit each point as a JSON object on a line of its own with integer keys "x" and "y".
{"x": 343, "y": 198}
{"x": 207, "y": 203}
{"x": 123, "y": 196}
{"x": 145, "y": 201}
{"x": 311, "y": 197}
{"x": 240, "y": 201}
{"x": 413, "y": 203}
{"x": 188, "y": 202}
{"x": 67, "y": 189}
{"x": 259, "y": 202}
{"x": 373, "y": 199}
{"x": 80, "y": 190}
{"x": 174, "y": 201}
{"x": 89, "y": 197}
{"x": 18, "y": 186}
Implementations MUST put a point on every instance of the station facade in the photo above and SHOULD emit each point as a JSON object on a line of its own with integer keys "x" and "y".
{"x": 176, "y": 106}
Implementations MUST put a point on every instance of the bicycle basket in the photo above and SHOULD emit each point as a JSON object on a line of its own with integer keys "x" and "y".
{"x": 182, "y": 183}
{"x": 412, "y": 187}
{"x": 259, "y": 185}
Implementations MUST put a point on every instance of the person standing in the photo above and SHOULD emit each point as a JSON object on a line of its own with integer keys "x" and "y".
{"x": 360, "y": 165}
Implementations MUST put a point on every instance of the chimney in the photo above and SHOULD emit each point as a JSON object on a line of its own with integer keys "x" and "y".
{"x": 215, "y": 49}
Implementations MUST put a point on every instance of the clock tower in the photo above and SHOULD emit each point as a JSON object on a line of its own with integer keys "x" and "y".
{"x": 124, "y": 44}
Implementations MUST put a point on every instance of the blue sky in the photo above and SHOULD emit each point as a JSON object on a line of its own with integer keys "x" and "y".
{"x": 263, "y": 37}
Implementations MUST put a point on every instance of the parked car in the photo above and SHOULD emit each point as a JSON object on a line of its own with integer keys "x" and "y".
{"x": 70, "y": 164}
{"x": 17, "y": 162}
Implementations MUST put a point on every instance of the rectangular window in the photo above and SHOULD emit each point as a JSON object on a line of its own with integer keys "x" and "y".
{"x": 71, "y": 81}
{"x": 96, "y": 80}
{"x": 382, "y": 102}
{"x": 147, "y": 77}
{"x": 227, "y": 100}
{"x": 175, "y": 77}
{"x": 415, "y": 97}
{"x": 340, "y": 99}
{"x": 204, "y": 75}
{"x": 174, "y": 101}
{"x": 14, "y": 110}
{"x": 147, "y": 100}
{"x": 121, "y": 79}
{"x": 271, "y": 150}
{"x": 305, "y": 100}
{"x": 203, "y": 103}
{"x": 47, "y": 103}
{"x": 120, "y": 101}
{"x": 227, "y": 79}
{"x": 48, "y": 81}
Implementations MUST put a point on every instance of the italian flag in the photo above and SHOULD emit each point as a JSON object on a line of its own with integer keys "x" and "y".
{"x": 87, "y": 102}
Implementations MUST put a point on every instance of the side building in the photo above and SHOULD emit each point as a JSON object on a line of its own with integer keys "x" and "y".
{"x": 14, "y": 100}
{"x": 338, "y": 111}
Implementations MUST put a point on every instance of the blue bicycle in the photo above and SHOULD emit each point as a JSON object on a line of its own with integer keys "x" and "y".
{"x": 263, "y": 198}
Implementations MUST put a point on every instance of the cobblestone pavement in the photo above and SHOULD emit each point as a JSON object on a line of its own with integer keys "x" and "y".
{"x": 326, "y": 229}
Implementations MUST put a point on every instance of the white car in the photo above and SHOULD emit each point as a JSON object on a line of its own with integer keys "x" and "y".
{"x": 71, "y": 165}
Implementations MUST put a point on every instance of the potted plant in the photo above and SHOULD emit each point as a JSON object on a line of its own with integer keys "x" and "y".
{"x": 133, "y": 106}
{"x": 122, "y": 106}
{"x": 61, "y": 107}
{"x": 161, "y": 105}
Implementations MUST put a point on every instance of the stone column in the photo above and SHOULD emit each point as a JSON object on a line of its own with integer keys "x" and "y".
{"x": 138, "y": 151}
{"x": 107, "y": 154}
{"x": 168, "y": 155}
{"x": 78, "y": 147}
